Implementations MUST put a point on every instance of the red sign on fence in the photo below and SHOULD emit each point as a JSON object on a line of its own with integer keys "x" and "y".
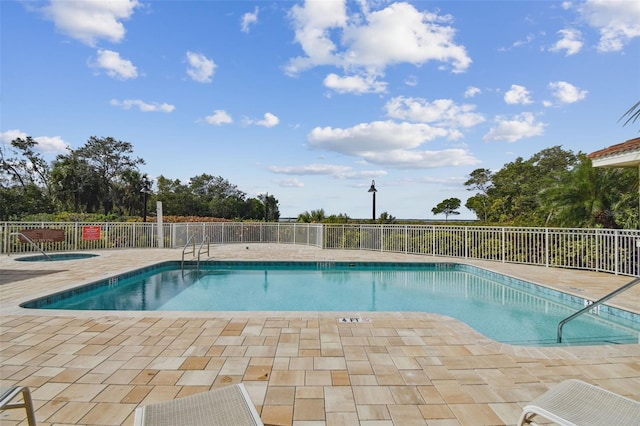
{"x": 90, "y": 233}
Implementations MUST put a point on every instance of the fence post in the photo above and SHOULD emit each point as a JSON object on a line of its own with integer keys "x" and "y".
{"x": 433, "y": 240}
{"x": 406, "y": 239}
{"x": 546, "y": 247}
{"x": 5, "y": 237}
{"x": 466, "y": 242}
{"x": 616, "y": 242}
{"x": 504, "y": 249}
{"x": 596, "y": 260}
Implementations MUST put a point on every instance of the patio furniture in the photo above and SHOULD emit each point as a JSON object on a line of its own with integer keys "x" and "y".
{"x": 576, "y": 403}
{"x": 225, "y": 406}
{"x": 8, "y": 394}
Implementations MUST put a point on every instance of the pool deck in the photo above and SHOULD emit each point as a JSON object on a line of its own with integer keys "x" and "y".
{"x": 300, "y": 368}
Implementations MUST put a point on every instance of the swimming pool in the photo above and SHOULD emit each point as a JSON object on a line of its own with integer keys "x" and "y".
{"x": 502, "y": 308}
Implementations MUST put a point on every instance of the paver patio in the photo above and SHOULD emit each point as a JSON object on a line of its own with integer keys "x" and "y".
{"x": 300, "y": 368}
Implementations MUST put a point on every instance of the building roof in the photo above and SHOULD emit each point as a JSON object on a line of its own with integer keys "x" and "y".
{"x": 625, "y": 154}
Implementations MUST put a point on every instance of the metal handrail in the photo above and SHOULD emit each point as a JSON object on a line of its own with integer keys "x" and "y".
{"x": 184, "y": 250}
{"x": 595, "y": 304}
{"x": 200, "y": 250}
{"x": 32, "y": 243}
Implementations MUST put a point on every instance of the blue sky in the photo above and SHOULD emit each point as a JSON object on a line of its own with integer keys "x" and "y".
{"x": 311, "y": 101}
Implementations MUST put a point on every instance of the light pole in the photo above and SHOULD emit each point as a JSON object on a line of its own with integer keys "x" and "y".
{"x": 146, "y": 189}
{"x": 373, "y": 190}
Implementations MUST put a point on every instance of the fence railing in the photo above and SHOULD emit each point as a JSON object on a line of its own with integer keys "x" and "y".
{"x": 607, "y": 250}
{"x": 108, "y": 235}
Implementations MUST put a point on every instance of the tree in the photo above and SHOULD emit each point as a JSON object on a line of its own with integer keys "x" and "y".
{"x": 479, "y": 180}
{"x": 590, "y": 197}
{"x": 254, "y": 209}
{"x": 339, "y": 218}
{"x": 129, "y": 194}
{"x": 28, "y": 167}
{"x": 315, "y": 216}
{"x": 385, "y": 217}
{"x": 76, "y": 184}
{"x": 271, "y": 210}
{"x": 109, "y": 159}
{"x": 514, "y": 196}
{"x": 176, "y": 198}
{"x": 447, "y": 207}
{"x": 25, "y": 181}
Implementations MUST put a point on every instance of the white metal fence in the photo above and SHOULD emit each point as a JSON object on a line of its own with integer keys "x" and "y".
{"x": 77, "y": 235}
{"x": 607, "y": 250}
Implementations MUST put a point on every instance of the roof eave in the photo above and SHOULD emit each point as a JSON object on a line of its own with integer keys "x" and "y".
{"x": 626, "y": 159}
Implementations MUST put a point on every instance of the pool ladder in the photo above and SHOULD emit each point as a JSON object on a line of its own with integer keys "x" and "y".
{"x": 594, "y": 305}
{"x": 200, "y": 251}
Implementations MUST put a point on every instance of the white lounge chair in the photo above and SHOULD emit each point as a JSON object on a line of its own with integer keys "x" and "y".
{"x": 225, "y": 406}
{"x": 7, "y": 394}
{"x": 576, "y": 403}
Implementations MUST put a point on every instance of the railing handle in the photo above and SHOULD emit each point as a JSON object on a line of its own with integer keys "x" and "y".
{"x": 595, "y": 304}
{"x": 184, "y": 250}
{"x": 33, "y": 244}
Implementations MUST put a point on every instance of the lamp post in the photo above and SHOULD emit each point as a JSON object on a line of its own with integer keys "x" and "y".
{"x": 373, "y": 191}
{"x": 146, "y": 189}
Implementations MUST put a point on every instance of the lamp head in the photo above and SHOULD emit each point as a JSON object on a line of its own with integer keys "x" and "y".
{"x": 373, "y": 187}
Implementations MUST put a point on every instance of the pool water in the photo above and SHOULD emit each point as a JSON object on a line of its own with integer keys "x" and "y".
{"x": 54, "y": 257}
{"x": 501, "y": 308}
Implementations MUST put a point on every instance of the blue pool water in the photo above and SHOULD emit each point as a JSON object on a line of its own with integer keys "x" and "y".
{"x": 501, "y": 308}
{"x": 54, "y": 257}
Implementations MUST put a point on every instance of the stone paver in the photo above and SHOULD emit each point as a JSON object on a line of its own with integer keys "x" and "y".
{"x": 300, "y": 368}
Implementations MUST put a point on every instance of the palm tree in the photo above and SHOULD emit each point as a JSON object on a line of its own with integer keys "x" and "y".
{"x": 632, "y": 113}
{"x": 591, "y": 197}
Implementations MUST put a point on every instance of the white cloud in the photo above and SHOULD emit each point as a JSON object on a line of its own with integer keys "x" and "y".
{"x": 269, "y": 120}
{"x": 90, "y": 21}
{"x": 517, "y": 95}
{"x": 52, "y": 144}
{"x": 423, "y": 159}
{"x": 390, "y": 144}
{"x": 618, "y": 21}
{"x": 367, "y": 42}
{"x": 9, "y": 135}
{"x": 46, "y": 144}
{"x": 339, "y": 172}
{"x": 527, "y": 40}
{"x": 520, "y": 126}
{"x": 249, "y": 19}
{"x": 290, "y": 183}
{"x": 312, "y": 23}
{"x": 570, "y": 42}
{"x": 471, "y": 92}
{"x": 354, "y": 84}
{"x": 411, "y": 80}
{"x": 441, "y": 112}
{"x": 200, "y": 68}
{"x": 143, "y": 106}
{"x": 219, "y": 117}
{"x": 114, "y": 65}
{"x": 566, "y": 93}
{"x": 312, "y": 170}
